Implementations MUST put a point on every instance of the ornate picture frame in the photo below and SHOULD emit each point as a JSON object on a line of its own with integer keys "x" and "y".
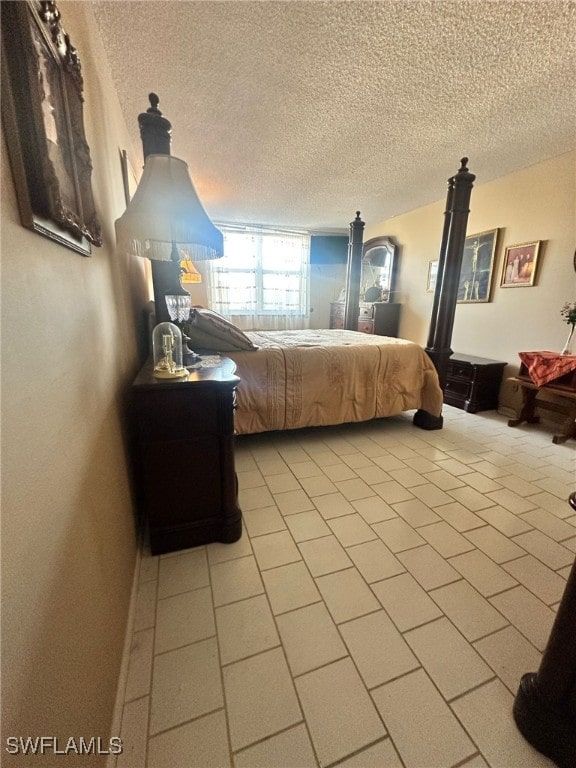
{"x": 42, "y": 115}
{"x": 519, "y": 265}
{"x": 475, "y": 283}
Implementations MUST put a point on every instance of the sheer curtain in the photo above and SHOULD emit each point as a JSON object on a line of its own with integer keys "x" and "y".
{"x": 262, "y": 281}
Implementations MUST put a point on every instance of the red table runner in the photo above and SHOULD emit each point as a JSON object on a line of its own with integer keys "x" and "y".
{"x": 544, "y": 367}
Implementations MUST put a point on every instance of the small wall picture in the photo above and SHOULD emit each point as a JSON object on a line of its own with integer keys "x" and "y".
{"x": 519, "y": 268}
{"x": 432, "y": 276}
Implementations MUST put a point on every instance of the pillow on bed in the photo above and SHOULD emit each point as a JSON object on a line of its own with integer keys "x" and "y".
{"x": 209, "y": 330}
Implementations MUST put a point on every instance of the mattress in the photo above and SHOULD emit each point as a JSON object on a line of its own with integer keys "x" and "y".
{"x": 312, "y": 378}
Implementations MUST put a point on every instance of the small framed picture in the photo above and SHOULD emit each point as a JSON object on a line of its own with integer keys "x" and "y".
{"x": 432, "y": 275}
{"x": 519, "y": 267}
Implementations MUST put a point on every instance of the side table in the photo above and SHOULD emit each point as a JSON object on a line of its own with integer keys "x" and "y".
{"x": 473, "y": 383}
{"x": 554, "y": 375}
{"x": 182, "y": 448}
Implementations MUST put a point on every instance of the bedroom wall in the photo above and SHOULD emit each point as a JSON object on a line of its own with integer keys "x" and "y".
{"x": 535, "y": 203}
{"x": 70, "y": 341}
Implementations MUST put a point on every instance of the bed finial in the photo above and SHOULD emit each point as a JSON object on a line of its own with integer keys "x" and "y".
{"x": 463, "y": 164}
{"x": 357, "y": 214}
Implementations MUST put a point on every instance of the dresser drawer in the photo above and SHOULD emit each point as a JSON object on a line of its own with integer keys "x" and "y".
{"x": 459, "y": 370}
{"x": 365, "y": 325}
{"x": 455, "y": 387}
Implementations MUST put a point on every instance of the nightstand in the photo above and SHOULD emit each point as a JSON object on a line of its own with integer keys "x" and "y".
{"x": 182, "y": 448}
{"x": 473, "y": 383}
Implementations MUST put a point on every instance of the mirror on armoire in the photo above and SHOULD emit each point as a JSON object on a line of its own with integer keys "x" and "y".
{"x": 379, "y": 265}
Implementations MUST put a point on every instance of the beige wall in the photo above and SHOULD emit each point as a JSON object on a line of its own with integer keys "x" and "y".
{"x": 69, "y": 352}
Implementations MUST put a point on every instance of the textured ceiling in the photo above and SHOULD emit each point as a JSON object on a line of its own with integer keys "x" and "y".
{"x": 300, "y": 112}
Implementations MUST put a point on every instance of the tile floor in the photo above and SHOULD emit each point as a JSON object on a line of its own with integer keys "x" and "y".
{"x": 389, "y": 590}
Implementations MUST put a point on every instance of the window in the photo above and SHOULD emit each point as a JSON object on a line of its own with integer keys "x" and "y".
{"x": 263, "y": 278}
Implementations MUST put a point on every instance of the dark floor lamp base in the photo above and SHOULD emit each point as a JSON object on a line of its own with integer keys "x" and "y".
{"x": 550, "y": 730}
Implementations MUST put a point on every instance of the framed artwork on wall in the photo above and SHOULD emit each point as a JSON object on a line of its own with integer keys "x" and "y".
{"x": 42, "y": 115}
{"x": 519, "y": 267}
{"x": 475, "y": 281}
{"x": 432, "y": 276}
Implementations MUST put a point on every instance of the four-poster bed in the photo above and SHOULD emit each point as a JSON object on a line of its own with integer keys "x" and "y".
{"x": 316, "y": 378}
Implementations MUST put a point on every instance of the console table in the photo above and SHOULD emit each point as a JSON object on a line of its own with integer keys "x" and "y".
{"x": 551, "y": 374}
{"x": 182, "y": 448}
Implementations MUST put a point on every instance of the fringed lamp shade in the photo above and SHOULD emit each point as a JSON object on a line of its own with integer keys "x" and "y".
{"x": 164, "y": 211}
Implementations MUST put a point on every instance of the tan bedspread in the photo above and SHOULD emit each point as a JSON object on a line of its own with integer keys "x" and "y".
{"x": 321, "y": 377}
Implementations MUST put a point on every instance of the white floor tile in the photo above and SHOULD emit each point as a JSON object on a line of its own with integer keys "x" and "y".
{"x": 333, "y": 505}
{"x": 274, "y": 549}
{"x": 346, "y": 595}
{"x": 245, "y": 628}
{"x": 445, "y": 540}
{"x": 448, "y": 658}
{"x": 375, "y": 561}
{"x": 377, "y": 648}
{"x": 504, "y": 521}
{"x": 184, "y": 619}
{"x": 416, "y": 513}
{"x": 289, "y": 748}
{"x": 186, "y": 683}
{"x": 265, "y": 520}
{"x": 428, "y": 568}
{"x": 324, "y": 555}
{"x": 203, "y": 743}
{"x": 235, "y": 580}
{"x": 351, "y": 529}
{"x": 494, "y": 544}
{"x": 291, "y": 502}
{"x": 374, "y": 509}
{"x": 398, "y": 535}
{"x": 424, "y": 729}
{"x": 183, "y": 573}
{"x": 471, "y": 613}
{"x": 377, "y": 756}
{"x": 307, "y": 525}
{"x": 482, "y": 572}
{"x": 405, "y": 601}
{"x": 339, "y": 712}
{"x": 290, "y": 587}
{"x": 460, "y": 518}
{"x": 310, "y": 638}
{"x": 260, "y": 698}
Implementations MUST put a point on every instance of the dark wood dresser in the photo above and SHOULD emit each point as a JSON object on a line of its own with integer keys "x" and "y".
{"x": 473, "y": 383}
{"x": 381, "y": 317}
{"x": 182, "y": 448}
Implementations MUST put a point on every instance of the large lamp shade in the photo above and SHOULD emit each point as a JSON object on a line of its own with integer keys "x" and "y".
{"x": 164, "y": 211}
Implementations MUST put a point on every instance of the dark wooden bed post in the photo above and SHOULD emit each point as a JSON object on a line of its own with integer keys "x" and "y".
{"x": 353, "y": 273}
{"x": 545, "y": 705}
{"x": 446, "y": 293}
